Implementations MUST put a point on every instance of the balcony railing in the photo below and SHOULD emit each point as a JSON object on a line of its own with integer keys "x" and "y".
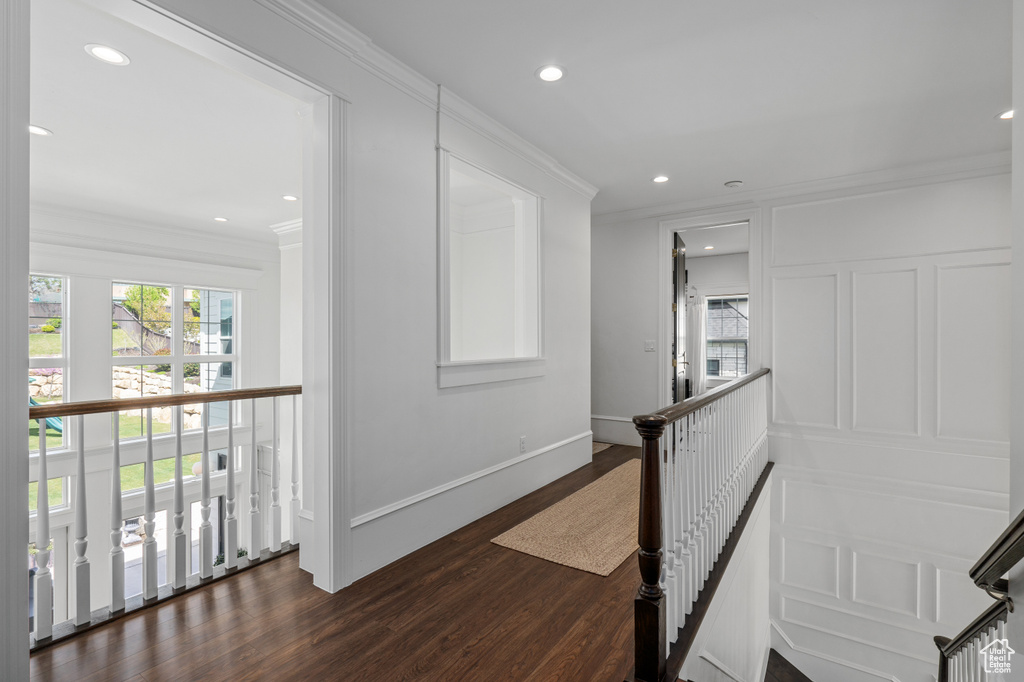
{"x": 701, "y": 460}
{"x": 262, "y": 522}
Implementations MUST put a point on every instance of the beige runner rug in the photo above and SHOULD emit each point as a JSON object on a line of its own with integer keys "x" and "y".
{"x": 594, "y": 529}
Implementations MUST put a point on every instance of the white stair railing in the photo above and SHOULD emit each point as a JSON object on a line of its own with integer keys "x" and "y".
{"x": 178, "y": 571}
{"x": 701, "y": 460}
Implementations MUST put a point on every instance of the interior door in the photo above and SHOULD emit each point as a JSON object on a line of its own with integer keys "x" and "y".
{"x": 680, "y": 379}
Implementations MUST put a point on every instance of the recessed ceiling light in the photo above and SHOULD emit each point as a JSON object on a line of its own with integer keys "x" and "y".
{"x": 107, "y": 55}
{"x": 1006, "y": 115}
{"x": 734, "y": 184}
{"x": 659, "y": 178}
{"x": 708, "y": 248}
{"x": 289, "y": 197}
{"x": 550, "y": 73}
{"x": 37, "y": 130}
{"x": 221, "y": 220}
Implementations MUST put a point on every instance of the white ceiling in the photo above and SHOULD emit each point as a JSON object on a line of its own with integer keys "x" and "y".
{"x": 170, "y": 139}
{"x": 724, "y": 240}
{"x": 771, "y": 93}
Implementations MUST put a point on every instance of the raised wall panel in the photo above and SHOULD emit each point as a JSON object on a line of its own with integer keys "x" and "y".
{"x": 974, "y": 352}
{"x": 885, "y": 352}
{"x": 959, "y": 600}
{"x": 886, "y": 583}
{"x": 891, "y": 519}
{"x": 805, "y": 351}
{"x": 964, "y": 215}
{"x": 810, "y": 566}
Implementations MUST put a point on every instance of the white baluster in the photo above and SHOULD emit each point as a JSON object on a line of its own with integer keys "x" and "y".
{"x": 180, "y": 538}
{"x": 116, "y": 522}
{"x": 44, "y": 579}
{"x": 149, "y": 549}
{"x": 255, "y": 520}
{"x": 295, "y": 471}
{"x": 205, "y": 528}
{"x": 668, "y": 582}
{"x": 83, "y": 610}
{"x": 230, "y": 522}
{"x": 275, "y": 483}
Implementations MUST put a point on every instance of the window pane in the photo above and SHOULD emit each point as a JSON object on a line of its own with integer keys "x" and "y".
{"x": 209, "y": 322}
{"x": 55, "y": 493}
{"x": 136, "y": 381}
{"x": 203, "y": 377}
{"x": 141, "y": 319}
{"x": 45, "y": 316}
{"x": 133, "y": 475}
{"x": 45, "y": 386}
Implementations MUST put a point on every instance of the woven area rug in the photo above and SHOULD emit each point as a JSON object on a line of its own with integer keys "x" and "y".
{"x": 598, "y": 447}
{"x": 594, "y": 529}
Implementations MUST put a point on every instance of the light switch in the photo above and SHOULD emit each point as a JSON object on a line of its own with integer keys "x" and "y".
{"x": 649, "y": 346}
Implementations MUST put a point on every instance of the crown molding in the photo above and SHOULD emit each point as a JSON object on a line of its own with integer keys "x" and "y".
{"x": 330, "y": 29}
{"x": 289, "y": 234}
{"x": 892, "y": 178}
{"x": 123, "y": 235}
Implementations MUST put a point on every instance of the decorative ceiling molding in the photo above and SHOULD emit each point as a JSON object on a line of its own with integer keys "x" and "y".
{"x": 336, "y": 33}
{"x": 894, "y": 178}
{"x": 289, "y": 234}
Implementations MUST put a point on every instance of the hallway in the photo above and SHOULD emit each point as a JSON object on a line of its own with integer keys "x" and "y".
{"x": 459, "y": 608}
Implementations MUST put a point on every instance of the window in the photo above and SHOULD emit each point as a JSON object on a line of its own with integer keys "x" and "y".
{"x": 47, "y": 356}
{"x": 489, "y": 233}
{"x": 171, "y": 340}
{"x": 727, "y": 331}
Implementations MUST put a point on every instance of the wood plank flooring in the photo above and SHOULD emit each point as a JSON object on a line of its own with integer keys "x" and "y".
{"x": 461, "y": 608}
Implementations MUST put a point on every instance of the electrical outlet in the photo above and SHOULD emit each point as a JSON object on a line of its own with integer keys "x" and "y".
{"x": 522, "y": 443}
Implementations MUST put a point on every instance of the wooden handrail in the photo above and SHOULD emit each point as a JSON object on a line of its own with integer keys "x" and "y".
{"x": 1003, "y": 555}
{"x": 101, "y": 406}
{"x": 993, "y": 614}
{"x": 674, "y": 413}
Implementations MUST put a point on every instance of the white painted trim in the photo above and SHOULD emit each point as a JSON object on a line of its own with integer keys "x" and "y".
{"x": 453, "y": 374}
{"x": 721, "y": 667}
{"x": 836, "y": 424}
{"x": 831, "y": 659}
{"x": 83, "y": 262}
{"x": 356, "y": 46}
{"x": 915, "y": 613}
{"x": 419, "y": 497}
{"x": 289, "y": 234}
{"x": 666, "y": 233}
{"x": 14, "y": 245}
{"x": 241, "y": 243}
{"x": 834, "y": 594}
{"x": 847, "y": 636}
{"x": 909, "y": 176}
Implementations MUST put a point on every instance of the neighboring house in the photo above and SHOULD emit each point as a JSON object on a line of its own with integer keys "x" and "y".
{"x": 893, "y": 444}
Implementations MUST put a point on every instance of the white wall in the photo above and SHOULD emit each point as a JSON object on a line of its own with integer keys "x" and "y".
{"x": 710, "y": 271}
{"x": 879, "y": 304}
{"x": 733, "y": 641}
{"x": 422, "y": 461}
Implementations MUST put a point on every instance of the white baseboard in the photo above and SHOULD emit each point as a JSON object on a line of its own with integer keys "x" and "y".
{"x": 618, "y": 430}
{"x": 783, "y": 639}
{"x": 306, "y": 544}
{"x": 389, "y": 533}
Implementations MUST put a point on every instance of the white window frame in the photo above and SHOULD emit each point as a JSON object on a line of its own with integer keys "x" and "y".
{"x": 528, "y": 360}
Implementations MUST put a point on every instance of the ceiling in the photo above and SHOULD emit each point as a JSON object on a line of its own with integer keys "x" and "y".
{"x": 228, "y": 146}
{"x": 723, "y": 240}
{"x": 770, "y": 93}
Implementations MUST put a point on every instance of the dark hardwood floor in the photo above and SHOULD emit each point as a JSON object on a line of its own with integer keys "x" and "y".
{"x": 781, "y": 670}
{"x": 461, "y": 608}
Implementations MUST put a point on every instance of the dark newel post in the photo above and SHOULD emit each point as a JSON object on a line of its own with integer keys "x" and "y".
{"x": 942, "y": 643}
{"x": 649, "y": 606}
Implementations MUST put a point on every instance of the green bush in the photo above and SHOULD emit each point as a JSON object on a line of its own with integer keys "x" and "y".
{"x": 162, "y": 369}
{"x": 47, "y": 328}
{"x": 115, "y": 325}
{"x": 191, "y": 369}
{"x": 54, "y": 322}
